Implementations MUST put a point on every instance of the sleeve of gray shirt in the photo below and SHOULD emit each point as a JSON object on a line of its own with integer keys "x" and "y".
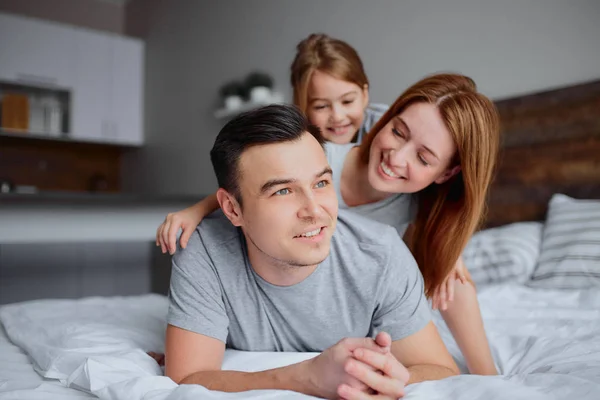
{"x": 195, "y": 297}
{"x": 402, "y": 306}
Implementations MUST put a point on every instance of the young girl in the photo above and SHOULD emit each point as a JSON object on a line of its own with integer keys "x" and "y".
{"x": 428, "y": 164}
{"x": 331, "y": 88}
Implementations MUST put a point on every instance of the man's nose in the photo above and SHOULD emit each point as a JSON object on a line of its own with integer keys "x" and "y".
{"x": 310, "y": 208}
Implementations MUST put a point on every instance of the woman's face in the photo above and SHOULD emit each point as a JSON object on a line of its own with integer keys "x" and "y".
{"x": 412, "y": 151}
{"x": 337, "y": 107}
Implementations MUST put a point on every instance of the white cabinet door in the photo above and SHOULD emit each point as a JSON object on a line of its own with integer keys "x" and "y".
{"x": 36, "y": 52}
{"x": 127, "y": 90}
{"x": 103, "y": 72}
{"x": 92, "y": 92}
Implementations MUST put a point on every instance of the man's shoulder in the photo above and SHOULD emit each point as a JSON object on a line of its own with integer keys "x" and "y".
{"x": 353, "y": 228}
{"x": 214, "y": 229}
{"x": 373, "y": 249}
{"x": 214, "y": 240}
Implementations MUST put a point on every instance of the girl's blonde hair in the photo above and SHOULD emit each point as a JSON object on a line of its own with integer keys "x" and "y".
{"x": 449, "y": 213}
{"x": 326, "y": 54}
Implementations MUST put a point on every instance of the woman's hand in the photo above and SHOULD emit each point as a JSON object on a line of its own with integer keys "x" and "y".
{"x": 444, "y": 293}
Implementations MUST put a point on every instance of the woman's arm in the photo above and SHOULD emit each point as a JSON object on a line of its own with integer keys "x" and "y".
{"x": 187, "y": 220}
{"x": 463, "y": 317}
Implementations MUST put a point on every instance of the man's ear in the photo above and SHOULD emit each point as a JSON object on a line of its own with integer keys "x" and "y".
{"x": 230, "y": 206}
{"x": 449, "y": 173}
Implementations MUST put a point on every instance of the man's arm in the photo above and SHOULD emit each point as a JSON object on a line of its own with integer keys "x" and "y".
{"x": 424, "y": 355}
{"x": 187, "y": 352}
{"x": 192, "y": 358}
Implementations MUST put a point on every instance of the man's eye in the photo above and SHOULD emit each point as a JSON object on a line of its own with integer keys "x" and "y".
{"x": 322, "y": 184}
{"x": 282, "y": 192}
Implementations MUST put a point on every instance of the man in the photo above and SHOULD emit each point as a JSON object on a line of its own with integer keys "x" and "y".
{"x": 268, "y": 273}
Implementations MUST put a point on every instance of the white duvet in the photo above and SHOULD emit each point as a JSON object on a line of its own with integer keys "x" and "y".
{"x": 546, "y": 344}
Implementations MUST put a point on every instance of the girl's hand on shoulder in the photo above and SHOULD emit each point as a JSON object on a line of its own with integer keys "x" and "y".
{"x": 187, "y": 220}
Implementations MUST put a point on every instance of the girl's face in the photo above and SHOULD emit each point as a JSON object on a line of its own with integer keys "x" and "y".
{"x": 337, "y": 107}
{"x": 412, "y": 151}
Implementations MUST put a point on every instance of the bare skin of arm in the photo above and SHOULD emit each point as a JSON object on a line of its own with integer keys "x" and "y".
{"x": 464, "y": 320}
{"x": 425, "y": 355}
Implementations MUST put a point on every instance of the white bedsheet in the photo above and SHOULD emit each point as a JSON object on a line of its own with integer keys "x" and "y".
{"x": 18, "y": 379}
{"x": 546, "y": 343}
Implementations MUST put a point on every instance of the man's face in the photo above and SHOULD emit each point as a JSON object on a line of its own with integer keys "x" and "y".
{"x": 289, "y": 209}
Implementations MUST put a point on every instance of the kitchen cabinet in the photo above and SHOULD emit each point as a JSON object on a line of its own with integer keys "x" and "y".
{"x": 92, "y": 90}
{"x": 127, "y": 91}
{"x": 36, "y": 53}
{"x": 101, "y": 72}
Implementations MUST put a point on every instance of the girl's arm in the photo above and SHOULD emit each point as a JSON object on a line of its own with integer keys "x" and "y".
{"x": 463, "y": 317}
{"x": 187, "y": 219}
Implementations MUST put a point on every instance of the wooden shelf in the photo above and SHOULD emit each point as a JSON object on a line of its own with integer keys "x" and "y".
{"x": 64, "y": 137}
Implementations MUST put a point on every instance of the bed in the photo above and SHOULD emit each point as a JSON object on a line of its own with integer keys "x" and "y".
{"x": 545, "y": 342}
{"x": 536, "y": 264}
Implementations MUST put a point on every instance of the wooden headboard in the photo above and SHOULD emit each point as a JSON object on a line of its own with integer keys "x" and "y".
{"x": 550, "y": 144}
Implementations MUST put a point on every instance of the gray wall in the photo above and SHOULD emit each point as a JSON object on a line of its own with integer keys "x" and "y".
{"x": 508, "y": 47}
{"x": 94, "y": 14}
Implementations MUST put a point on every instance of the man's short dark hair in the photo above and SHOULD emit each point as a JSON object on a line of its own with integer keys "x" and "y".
{"x": 269, "y": 124}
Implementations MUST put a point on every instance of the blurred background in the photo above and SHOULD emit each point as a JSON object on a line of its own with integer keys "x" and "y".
{"x": 109, "y": 107}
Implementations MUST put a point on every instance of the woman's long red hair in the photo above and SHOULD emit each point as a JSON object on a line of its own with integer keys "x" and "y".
{"x": 449, "y": 213}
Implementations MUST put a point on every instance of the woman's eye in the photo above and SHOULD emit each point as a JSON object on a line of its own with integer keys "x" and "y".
{"x": 398, "y": 133}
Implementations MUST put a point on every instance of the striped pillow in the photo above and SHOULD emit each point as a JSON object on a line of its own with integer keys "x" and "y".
{"x": 570, "y": 252}
{"x": 507, "y": 253}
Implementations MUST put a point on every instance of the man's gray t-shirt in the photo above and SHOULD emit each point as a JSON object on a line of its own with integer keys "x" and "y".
{"x": 368, "y": 283}
{"x": 398, "y": 210}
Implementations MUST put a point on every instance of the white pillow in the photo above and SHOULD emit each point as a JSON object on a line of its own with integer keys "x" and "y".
{"x": 570, "y": 251}
{"x": 507, "y": 253}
